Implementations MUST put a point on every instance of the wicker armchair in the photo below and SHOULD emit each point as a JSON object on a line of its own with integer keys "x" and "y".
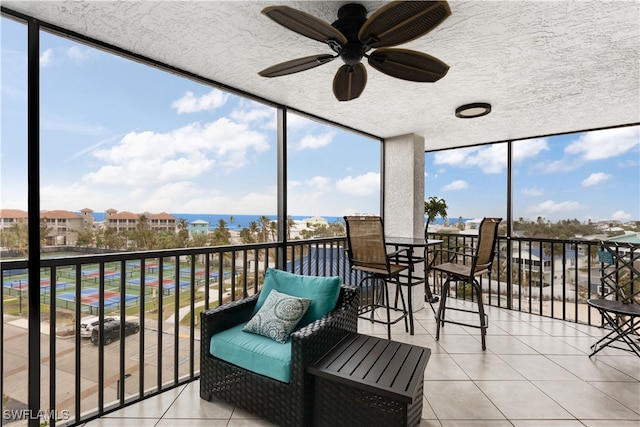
{"x": 285, "y": 404}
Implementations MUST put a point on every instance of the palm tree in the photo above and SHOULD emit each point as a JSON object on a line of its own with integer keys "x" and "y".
{"x": 265, "y": 227}
{"x": 44, "y": 233}
{"x": 183, "y": 233}
{"x": 16, "y": 237}
{"x": 221, "y": 234}
{"x": 434, "y": 207}
{"x": 290, "y": 223}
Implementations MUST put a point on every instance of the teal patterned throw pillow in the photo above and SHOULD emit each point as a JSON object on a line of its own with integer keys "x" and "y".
{"x": 278, "y": 316}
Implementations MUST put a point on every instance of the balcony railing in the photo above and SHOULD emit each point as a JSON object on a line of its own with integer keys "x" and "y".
{"x": 164, "y": 291}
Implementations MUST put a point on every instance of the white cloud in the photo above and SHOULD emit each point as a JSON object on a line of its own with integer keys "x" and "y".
{"x": 620, "y": 216}
{"x": 550, "y": 206}
{"x": 189, "y": 103}
{"x": 628, "y": 164}
{"x": 562, "y": 165}
{"x": 523, "y": 150}
{"x": 148, "y": 157}
{"x": 46, "y": 59}
{"x": 598, "y": 145}
{"x": 533, "y": 191}
{"x": 456, "y": 185}
{"x": 78, "y": 55}
{"x": 492, "y": 158}
{"x": 362, "y": 185}
{"x": 595, "y": 179}
{"x": 253, "y": 112}
{"x": 321, "y": 183}
{"x": 296, "y": 122}
{"x": 315, "y": 141}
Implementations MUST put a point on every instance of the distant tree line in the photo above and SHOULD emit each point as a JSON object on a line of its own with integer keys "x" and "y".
{"x": 143, "y": 237}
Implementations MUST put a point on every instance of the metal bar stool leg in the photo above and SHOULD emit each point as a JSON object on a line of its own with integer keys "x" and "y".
{"x": 442, "y": 307}
{"x": 483, "y": 318}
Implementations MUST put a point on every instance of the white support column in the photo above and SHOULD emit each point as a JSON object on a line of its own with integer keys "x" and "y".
{"x": 404, "y": 186}
{"x": 404, "y": 196}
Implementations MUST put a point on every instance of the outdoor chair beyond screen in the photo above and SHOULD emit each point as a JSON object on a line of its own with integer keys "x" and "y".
{"x": 367, "y": 253}
{"x": 467, "y": 268}
{"x": 620, "y": 291}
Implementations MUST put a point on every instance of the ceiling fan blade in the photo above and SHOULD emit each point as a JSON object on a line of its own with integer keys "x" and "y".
{"x": 401, "y": 21}
{"x": 305, "y": 24}
{"x": 408, "y": 65}
{"x": 296, "y": 65}
{"x": 349, "y": 82}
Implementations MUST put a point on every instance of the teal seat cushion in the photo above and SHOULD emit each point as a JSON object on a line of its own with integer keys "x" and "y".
{"x": 253, "y": 352}
{"x": 323, "y": 291}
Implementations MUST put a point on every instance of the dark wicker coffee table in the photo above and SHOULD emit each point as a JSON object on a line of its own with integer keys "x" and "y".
{"x": 366, "y": 380}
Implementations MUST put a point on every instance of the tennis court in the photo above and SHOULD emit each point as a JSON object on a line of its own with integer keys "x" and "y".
{"x": 45, "y": 285}
{"x": 91, "y": 298}
{"x": 168, "y": 283}
{"x": 201, "y": 272}
{"x": 150, "y": 267}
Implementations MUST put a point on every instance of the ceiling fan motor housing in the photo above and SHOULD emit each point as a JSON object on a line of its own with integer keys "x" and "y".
{"x": 350, "y": 19}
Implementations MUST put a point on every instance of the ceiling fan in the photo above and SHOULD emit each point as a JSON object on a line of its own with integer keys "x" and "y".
{"x": 352, "y": 36}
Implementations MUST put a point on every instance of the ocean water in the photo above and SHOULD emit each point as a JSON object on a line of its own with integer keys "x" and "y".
{"x": 239, "y": 221}
{"x": 242, "y": 221}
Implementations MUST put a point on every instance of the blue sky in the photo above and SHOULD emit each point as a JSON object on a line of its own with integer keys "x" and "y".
{"x": 117, "y": 134}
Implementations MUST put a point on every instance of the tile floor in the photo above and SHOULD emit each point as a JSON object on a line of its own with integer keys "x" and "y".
{"x": 535, "y": 373}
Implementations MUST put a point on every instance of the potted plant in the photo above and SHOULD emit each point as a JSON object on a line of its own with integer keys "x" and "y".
{"x": 434, "y": 207}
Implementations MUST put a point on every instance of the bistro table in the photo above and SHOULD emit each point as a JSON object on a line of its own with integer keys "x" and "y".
{"x": 413, "y": 243}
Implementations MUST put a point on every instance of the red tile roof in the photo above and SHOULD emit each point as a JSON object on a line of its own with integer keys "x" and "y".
{"x": 59, "y": 214}
{"x": 13, "y": 213}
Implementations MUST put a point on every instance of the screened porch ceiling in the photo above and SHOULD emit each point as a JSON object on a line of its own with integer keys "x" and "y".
{"x": 546, "y": 67}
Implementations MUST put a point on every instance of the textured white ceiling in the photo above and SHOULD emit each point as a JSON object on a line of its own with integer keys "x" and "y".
{"x": 545, "y": 66}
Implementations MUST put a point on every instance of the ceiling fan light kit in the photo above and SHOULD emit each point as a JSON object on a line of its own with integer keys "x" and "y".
{"x": 470, "y": 111}
{"x": 353, "y": 35}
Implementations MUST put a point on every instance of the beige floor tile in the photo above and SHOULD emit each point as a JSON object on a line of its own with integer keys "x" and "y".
{"x": 510, "y": 397}
{"x": 546, "y": 423}
{"x": 518, "y": 328}
{"x": 624, "y": 392}
{"x": 538, "y": 367}
{"x": 586, "y": 402}
{"x": 546, "y": 344}
{"x": 153, "y": 407}
{"x": 475, "y": 423}
{"x": 191, "y": 422}
{"x": 441, "y": 366}
{"x": 507, "y": 344}
{"x": 460, "y": 400}
{"x": 460, "y": 343}
{"x": 485, "y": 366}
{"x": 189, "y": 405}
{"x": 119, "y": 422}
{"x": 427, "y": 411}
{"x": 249, "y": 423}
{"x": 591, "y": 369}
{"x": 609, "y": 423}
{"x": 627, "y": 363}
{"x": 429, "y": 423}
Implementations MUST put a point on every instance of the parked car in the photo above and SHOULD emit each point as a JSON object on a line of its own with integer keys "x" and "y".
{"x": 112, "y": 332}
{"x": 88, "y": 323}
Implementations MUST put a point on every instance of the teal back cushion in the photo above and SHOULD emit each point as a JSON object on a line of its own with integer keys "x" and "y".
{"x": 323, "y": 291}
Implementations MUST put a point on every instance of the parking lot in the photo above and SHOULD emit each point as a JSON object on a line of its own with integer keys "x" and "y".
{"x": 15, "y": 337}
